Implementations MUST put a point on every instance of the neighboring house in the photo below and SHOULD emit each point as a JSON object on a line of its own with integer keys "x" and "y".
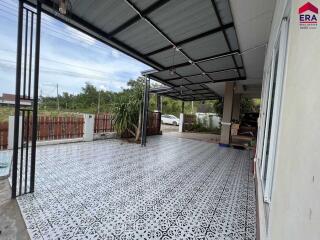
{"x": 210, "y": 120}
{"x": 9, "y": 100}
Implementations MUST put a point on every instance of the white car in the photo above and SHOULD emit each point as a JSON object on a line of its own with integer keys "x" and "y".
{"x": 170, "y": 119}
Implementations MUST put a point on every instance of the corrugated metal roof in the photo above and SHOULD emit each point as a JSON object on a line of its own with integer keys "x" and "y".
{"x": 179, "y": 82}
{"x": 198, "y": 79}
{"x": 224, "y": 75}
{"x": 187, "y": 70}
{"x": 206, "y": 47}
{"x": 184, "y": 19}
{"x": 186, "y": 40}
{"x": 142, "y": 37}
{"x": 143, "y": 4}
{"x": 218, "y": 64}
{"x": 169, "y": 58}
{"x": 118, "y": 13}
{"x": 165, "y": 74}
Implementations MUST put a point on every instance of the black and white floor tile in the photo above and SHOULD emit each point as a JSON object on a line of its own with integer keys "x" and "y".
{"x": 171, "y": 189}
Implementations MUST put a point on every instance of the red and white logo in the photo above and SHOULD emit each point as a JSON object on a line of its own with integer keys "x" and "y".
{"x": 308, "y": 16}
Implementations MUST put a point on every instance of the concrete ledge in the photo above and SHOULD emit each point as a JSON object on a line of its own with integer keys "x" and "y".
{"x": 59, "y": 141}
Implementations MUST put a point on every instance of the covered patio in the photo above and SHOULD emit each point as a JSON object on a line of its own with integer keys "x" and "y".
{"x": 171, "y": 189}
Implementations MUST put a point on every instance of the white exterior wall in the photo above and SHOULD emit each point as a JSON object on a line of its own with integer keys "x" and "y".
{"x": 294, "y": 210}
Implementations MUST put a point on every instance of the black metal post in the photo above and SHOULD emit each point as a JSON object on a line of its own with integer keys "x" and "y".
{"x": 17, "y": 102}
{"x": 159, "y": 103}
{"x": 35, "y": 97}
{"x": 145, "y": 112}
{"x": 144, "y": 115}
{"x": 25, "y": 54}
{"x": 30, "y": 55}
{"x": 27, "y": 153}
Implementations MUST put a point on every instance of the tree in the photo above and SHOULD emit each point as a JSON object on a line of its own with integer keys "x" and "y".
{"x": 127, "y": 109}
{"x": 249, "y": 105}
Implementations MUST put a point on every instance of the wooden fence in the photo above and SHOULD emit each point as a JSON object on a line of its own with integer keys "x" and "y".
{"x": 49, "y": 128}
{"x": 103, "y": 123}
{"x": 52, "y": 128}
{"x": 3, "y": 135}
{"x": 154, "y": 123}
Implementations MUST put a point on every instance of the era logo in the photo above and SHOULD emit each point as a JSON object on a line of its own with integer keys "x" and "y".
{"x": 308, "y": 16}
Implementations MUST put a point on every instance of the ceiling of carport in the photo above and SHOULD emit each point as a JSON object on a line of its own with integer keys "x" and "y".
{"x": 253, "y": 24}
{"x": 191, "y": 44}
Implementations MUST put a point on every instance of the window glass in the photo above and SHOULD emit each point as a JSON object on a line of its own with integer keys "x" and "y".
{"x": 273, "y": 82}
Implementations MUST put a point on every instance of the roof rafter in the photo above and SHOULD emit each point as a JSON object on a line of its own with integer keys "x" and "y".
{"x": 215, "y": 81}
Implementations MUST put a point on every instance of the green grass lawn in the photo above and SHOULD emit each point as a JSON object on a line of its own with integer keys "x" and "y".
{"x": 5, "y": 112}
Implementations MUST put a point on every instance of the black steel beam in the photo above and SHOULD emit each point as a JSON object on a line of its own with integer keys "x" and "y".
{"x": 35, "y": 97}
{"x": 199, "y": 74}
{"x": 191, "y": 39}
{"x": 17, "y": 102}
{"x": 145, "y": 112}
{"x": 136, "y": 18}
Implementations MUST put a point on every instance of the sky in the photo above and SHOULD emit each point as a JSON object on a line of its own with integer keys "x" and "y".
{"x": 68, "y": 58}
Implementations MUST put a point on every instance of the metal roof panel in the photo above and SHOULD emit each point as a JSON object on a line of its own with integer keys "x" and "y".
{"x": 165, "y": 75}
{"x": 143, "y": 4}
{"x": 206, "y": 47}
{"x": 104, "y": 14}
{"x": 169, "y": 57}
{"x": 179, "y": 82}
{"x": 224, "y": 75}
{"x": 187, "y": 70}
{"x": 183, "y": 19}
{"x": 224, "y": 10}
{"x": 218, "y": 64}
{"x": 142, "y": 37}
{"x": 198, "y": 79}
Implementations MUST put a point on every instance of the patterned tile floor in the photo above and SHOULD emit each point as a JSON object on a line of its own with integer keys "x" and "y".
{"x": 172, "y": 189}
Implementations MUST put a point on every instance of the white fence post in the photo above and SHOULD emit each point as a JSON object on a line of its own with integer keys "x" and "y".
{"x": 11, "y": 132}
{"x": 181, "y": 122}
{"x": 88, "y": 127}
